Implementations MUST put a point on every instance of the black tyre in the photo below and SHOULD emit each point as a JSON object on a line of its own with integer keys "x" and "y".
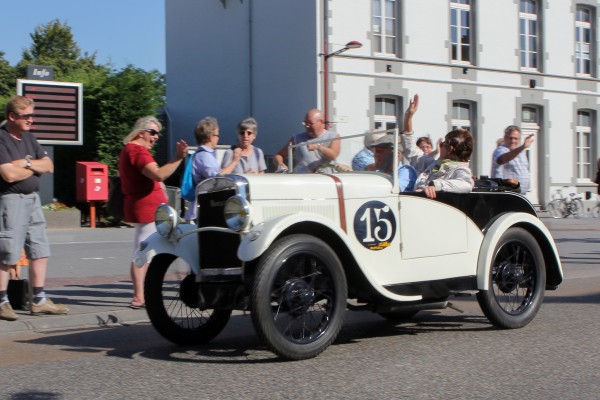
{"x": 596, "y": 211}
{"x": 517, "y": 281}
{"x": 556, "y": 209}
{"x": 299, "y": 297}
{"x": 577, "y": 208}
{"x": 172, "y": 303}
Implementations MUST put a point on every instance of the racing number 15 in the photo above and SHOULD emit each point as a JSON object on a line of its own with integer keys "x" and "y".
{"x": 381, "y": 224}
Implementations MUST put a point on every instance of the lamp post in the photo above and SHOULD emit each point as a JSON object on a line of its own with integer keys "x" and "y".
{"x": 350, "y": 45}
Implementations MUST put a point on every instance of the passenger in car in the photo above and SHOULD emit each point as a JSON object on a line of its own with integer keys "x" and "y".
{"x": 452, "y": 172}
{"x": 366, "y": 156}
{"x": 314, "y": 157}
{"x": 383, "y": 150}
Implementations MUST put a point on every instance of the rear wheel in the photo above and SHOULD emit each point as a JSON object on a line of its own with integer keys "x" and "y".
{"x": 517, "y": 281}
{"x": 596, "y": 211}
{"x": 172, "y": 303}
{"x": 299, "y": 297}
{"x": 556, "y": 208}
{"x": 577, "y": 208}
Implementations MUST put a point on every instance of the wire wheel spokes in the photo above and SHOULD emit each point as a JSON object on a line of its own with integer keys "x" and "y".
{"x": 302, "y": 298}
{"x": 181, "y": 301}
{"x": 514, "y": 277}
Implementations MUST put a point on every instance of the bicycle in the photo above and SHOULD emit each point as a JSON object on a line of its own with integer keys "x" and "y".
{"x": 568, "y": 205}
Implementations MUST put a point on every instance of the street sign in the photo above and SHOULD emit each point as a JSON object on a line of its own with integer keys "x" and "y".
{"x": 58, "y": 110}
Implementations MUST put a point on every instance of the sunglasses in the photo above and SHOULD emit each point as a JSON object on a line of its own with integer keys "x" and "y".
{"x": 153, "y": 132}
{"x": 245, "y": 133}
{"x": 24, "y": 116}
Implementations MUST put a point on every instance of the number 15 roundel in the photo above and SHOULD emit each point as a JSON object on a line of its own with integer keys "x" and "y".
{"x": 375, "y": 225}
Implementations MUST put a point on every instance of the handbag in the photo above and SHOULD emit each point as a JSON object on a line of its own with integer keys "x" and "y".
{"x": 18, "y": 293}
{"x": 114, "y": 205}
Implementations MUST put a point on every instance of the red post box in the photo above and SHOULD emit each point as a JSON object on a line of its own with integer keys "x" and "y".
{"x": 92, "y": 181}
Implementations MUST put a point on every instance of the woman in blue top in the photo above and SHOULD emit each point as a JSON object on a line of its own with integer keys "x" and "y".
{"x": 205, "y": 164}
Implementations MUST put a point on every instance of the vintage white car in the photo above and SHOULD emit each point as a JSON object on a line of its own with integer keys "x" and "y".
{"x": 299, "y": 250}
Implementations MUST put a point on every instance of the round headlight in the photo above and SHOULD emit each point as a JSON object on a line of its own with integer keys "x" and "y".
{"x": 237, "y": 213}
{"x": 166, "y": 220}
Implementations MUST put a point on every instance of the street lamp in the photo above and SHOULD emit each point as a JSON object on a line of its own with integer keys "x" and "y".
{"x": 350, "y": 45}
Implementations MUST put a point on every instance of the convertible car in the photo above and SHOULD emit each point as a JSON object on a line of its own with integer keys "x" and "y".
{"x": 299, "y": 250}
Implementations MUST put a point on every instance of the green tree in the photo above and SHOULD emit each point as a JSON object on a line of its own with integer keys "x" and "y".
{"x": 128, "y": 95}
{"x": 8, "y": 77}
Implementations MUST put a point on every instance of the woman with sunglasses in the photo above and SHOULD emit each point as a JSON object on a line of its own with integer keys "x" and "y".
{"x": 143, "y": 188}
{"x": 251, "y": 159}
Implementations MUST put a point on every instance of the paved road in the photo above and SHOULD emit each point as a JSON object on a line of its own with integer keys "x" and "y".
{"x": 89, "y": 272}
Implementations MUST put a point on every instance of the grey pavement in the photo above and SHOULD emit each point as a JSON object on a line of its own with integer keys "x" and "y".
{"x": 89, "y": 272}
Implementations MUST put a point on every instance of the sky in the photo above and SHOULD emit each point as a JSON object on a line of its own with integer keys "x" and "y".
{"x": 120, "y": 32}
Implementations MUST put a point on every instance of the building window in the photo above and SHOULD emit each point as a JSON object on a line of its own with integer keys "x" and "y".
{"x": 583, "y": 41}
{"x": 385, "y": 26}
{"x": 529, "y": 34}
{"x": 386, "y": 112}
{"x": 461, "y": 115}
{"x": 461, "y": 30}
{"x": 583, "y": 145}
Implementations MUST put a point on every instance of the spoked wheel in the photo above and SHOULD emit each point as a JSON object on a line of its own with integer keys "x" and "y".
{"x": 299, "y": 297}
{"x": 517, "y": 281}
{"x": 172, "y": 303}
{"x": 556, "y": 209}
{"x": 596, "y": 211}
{"x": 577, "y": 208}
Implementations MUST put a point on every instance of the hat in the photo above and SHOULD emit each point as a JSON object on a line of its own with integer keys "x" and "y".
{"x": 372, "y": 137}
{"x": 387, "y": 140}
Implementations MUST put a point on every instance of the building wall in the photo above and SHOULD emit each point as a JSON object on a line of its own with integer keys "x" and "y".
{"x": 234, "y": 58}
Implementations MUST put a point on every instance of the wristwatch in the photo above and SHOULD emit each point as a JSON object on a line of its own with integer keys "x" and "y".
{"x": 28, "y": 161}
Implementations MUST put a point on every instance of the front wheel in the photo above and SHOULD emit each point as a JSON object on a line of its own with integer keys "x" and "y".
{"x": 172, "y": 303}
{"x": 299, "y": 297}
{"x": 517, "y": 280}
{"x": 596, "y": 211}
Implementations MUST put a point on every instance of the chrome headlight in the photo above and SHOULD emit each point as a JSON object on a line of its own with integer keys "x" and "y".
{"x": 166, "y": 220}
{"x": 237, "y": 213}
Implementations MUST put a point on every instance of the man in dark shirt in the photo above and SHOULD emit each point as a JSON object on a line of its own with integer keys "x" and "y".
{"x": 22, "y": 162}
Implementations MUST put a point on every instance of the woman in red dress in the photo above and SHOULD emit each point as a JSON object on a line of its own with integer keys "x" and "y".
{"x": 143, "y": 190}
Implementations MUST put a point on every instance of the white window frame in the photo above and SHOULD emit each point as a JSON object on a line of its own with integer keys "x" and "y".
{"x": 458, "y": 6}
{"x": 385, "y": 120}
{"x": 459, "y": 122}
{"x": 583, "y": 169}
{"x": 379, "y": 30}
{"x": 526, "y": 17}
{"x": 583, "y": 49}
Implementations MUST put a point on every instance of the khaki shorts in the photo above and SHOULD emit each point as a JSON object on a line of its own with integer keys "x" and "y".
{"x": 22, "y": 226}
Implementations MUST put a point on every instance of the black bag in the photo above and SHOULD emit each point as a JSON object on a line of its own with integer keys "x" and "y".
{"x": 114, "y": 205}
{"x": 18, "y": 293}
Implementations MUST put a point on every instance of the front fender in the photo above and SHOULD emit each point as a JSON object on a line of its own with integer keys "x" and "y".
{"x": 495, "y": 232}
{"x": 185, "y": 247}
{"x": 260, "y": 237}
